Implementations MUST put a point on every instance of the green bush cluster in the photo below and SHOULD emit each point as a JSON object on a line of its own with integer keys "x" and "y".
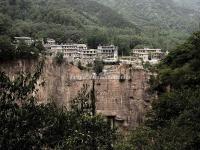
{"x": 59, "y": 58}
{"x": 98, "y": 67}
{"x": 9, "y": 51}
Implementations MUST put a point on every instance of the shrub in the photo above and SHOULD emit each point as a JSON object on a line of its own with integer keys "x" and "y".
{"x": 59, "y": 58}
{"x": 98, "y": 67}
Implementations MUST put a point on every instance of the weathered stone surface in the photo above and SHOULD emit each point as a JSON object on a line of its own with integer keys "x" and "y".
{"x": 125, "y": 100}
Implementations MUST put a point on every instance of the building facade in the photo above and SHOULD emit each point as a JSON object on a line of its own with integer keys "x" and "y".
{"x": 80, "y": 52}
{"x": 148, "y": 55}
{"x": 107, "y": 52}
{"x": 70, "y": 51}
{"x": 27, "y": 40}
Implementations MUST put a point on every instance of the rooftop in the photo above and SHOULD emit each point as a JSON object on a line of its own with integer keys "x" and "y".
{"x": 22, "y": 38}
{"x": 148, "y": 49}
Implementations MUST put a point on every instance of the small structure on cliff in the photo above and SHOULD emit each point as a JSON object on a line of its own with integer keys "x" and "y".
{"x": 27, "y": 40}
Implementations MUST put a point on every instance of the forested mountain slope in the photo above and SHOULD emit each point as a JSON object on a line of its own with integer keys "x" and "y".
{"x": 165, "y": 23}
{"x": 166, "y": 14}
{"x": 192, "y": 4}
{"x": 54, "y": 18}
{"x": 127, "y": 24}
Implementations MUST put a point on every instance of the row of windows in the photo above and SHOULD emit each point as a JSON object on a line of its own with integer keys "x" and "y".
{"x": 107, "y": 51}
{"x": 89, "y": 52}
{"x": 149, "y": 51}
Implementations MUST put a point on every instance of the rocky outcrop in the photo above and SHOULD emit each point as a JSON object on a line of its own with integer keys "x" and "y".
{"x": 124, "y": 100}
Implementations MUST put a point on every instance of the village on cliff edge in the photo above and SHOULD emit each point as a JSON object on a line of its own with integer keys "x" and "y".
{"x": 107, "y": 53}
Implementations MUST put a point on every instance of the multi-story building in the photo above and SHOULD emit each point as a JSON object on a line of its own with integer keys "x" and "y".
{"x": 70, "y": 51}
{"x": 81, "y": 52}
{"x": 49, "y": 43}
{"x": 54, "y": 49}
{"x": 148, "y": 55}
{"x": 107, "y": 52}
{"x": 89, "y": 54}
{"x": 81, "y": 48}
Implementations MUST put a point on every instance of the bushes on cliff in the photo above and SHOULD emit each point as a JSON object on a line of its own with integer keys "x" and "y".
{"x": 25, "y": 51}
{"x": 98, "y": 67}
{"x": 59, "y": 58}
{"x": 80, "y": 66}
{"x": 25, "y": 124}
{"x": 172, "y": 124}
{"x": 7, "y": 50}
{"x": 182, "y": 64}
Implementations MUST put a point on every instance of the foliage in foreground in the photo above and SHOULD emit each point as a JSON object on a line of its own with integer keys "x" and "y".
{"x": 25, "y": 124}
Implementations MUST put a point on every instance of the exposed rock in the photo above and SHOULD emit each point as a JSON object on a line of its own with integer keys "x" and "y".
{"x": 125, "y": 101}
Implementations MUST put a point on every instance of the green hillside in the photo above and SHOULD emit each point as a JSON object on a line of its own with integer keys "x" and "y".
{"x": 128, "y": 24}
{"x": 162, "y": 13}
{"x": 192, "y": 4}
{"x": 58, "y": 18}
{"x": 164, "y": 22}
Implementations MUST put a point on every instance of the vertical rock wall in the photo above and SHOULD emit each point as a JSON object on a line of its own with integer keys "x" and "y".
{"x": 126, "y": 100}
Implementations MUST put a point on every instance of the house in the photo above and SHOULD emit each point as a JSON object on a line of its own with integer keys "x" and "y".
{"x": 27, "y": 40}
{"x": 50, "y": 42}
{"x": 89, "y": 54}
{"x": 70, "y": 51}
{"x": 148, "y": 55}
{"x": 107, "y": 52}
{"x": 80, "y": 52}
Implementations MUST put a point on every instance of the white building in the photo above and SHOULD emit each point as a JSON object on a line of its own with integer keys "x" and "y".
{"x": 89, "y": 54}
{"x": 70, "y": 51}
{"x": 54, "y": 49}
{"x": 148, "y": 55}
{"x": 50, "y": 41}
{"x": 81, "y": 49}
{"x": 106, "y": 52}
{"x": 27, "y": 40}
{"x": 80, "y": 52}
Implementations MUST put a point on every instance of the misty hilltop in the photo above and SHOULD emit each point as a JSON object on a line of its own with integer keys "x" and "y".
{"x": 163, "y": 13}
{"x": 192, "y": 4}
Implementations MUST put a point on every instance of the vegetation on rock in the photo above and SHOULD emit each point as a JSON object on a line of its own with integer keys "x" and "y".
{"x": 59, "y": 58}
{"x": 25, "y": 124}
{"x": 98, "y": 67}
{"x": 173, "y": 122}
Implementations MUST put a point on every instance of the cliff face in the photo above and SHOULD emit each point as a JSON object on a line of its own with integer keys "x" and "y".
{"x": 125, "y": 100}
